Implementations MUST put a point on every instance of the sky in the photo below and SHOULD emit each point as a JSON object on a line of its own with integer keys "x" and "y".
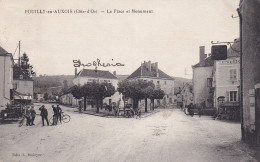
{"x": 170, "y": 35}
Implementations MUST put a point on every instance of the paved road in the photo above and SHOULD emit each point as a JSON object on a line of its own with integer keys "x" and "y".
{"x": 169, "y": 135}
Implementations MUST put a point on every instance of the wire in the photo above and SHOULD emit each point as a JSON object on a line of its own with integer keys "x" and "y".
{"x": 16, "y": 49}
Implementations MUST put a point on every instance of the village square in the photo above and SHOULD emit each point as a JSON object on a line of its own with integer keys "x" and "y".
{"x": 75, "y": 105}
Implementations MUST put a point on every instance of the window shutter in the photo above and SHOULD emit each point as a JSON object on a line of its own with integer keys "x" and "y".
{"x": 235, "y": 74}
{"x": 230, "y": 74}
{"x": 227, "y": 96}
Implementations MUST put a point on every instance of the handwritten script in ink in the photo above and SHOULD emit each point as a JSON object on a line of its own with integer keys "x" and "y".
{"x": 98, "y": 63}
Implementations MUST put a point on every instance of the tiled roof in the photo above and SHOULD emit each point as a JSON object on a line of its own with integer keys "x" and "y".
{"x": 3, "y": 51}
{"x": 96, "y": 74}
{"x": 147, "y": 73}
{"x": 205, "y": 63}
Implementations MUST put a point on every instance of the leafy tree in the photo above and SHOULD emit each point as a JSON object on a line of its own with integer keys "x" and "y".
{"x": 137, "y": 90}
{"x": 45, "y": 96}
{"x": 94, "y": 90}
{"x": 156, "y": 94}
{"x": 99, "y": 91}
{"x": 25, "y": 69}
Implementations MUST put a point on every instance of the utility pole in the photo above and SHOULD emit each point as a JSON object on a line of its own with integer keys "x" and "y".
{"x": 19, "y": 60}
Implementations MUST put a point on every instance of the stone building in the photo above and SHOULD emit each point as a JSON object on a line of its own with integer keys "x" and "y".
{"x": 150, "y": 72}
{"x": 226, "y": 77}
{"x": 250, "y": 14}
{"x": 6, "y": 77}
{"x": 202, "y": 73}
{"x": 87, "y": 75}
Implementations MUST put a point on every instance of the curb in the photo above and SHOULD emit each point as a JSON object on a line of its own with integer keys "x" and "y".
{"x": 112, "y": 116}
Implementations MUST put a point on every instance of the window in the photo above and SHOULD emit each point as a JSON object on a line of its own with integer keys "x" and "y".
{"x": 233, "y": 96}
{"x": 233, "y": 74}
{"x": 165, "y": 82}
{"x": 209, "y": 82}
{"x": 158, "y": 82}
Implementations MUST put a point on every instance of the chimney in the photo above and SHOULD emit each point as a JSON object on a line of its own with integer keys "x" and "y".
{"x": 141, "y": 69}
{"x": 149, "y": 65}
{"x": 152, "y": 66}
{"x": 156, "y": 69}
{"x": 76, "y": 72}
{"x": 202, "y": 53}
{"x": 114, "y": 73}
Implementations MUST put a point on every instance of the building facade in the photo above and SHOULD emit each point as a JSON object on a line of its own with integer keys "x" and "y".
{"x": 202, "y": 74}
{"x": 250, "y": 32}
{"x": 86, "y": 76}
{"x": 6, "y": 79}
{"x": 226, "y": 80}
{"x": 150, "y": 72}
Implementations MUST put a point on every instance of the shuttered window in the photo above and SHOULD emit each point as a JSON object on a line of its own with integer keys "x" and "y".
{"x": 233, "y": 96}
{"x": 233, "y": 74}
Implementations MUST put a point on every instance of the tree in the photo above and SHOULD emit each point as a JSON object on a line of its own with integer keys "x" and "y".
{"x": 156, "y": 94}
{"x": 137, "y": 90}
{"x": 94, "y": 90}
{"x": 24, "y": 68}
{"x": 99, "y": 91}
{"x": 45, "y": 96}
{"x": 76, "y": 93}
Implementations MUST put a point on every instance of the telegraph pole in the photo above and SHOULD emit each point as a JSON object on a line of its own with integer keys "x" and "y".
{"x": 19, "y": 60}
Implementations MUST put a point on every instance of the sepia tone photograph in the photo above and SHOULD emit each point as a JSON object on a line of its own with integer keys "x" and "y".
{"x": 130, "y": 81}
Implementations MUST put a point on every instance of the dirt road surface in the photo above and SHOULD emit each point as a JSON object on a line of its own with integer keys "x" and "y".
{"x": 169, "y": 135}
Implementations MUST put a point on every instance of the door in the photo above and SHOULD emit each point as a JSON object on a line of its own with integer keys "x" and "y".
{"x": 257, "y": 115}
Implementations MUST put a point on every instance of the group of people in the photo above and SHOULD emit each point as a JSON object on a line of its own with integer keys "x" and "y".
{"x": 56, "y": 114}
{"x": 30, "y": 114}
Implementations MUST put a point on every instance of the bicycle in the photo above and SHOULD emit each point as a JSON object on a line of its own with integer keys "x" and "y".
{"x": 21, "y": 122}
{"x": 137, "y": 113}
{"x": 64, "y": 117}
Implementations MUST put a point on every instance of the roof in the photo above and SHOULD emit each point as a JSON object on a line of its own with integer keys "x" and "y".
{"x": 233, "y": 51}
{"x": 205, "y": 63}
{"x": 96, "y": 74}
{"x": 2, "y": 51}
{"x": 144, "y": 72}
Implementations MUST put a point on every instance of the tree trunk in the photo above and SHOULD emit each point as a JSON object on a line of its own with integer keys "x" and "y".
{"x": 97, "y": 105}
{"x": 145, "y": 104}
{"x": 152, "y": 100}
{"x": 135, "y": 103}
{"x": 101, "y": 103}
{"x": 85, "y": 103}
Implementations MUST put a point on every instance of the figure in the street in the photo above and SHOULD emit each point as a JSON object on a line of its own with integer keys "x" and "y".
{"x": 59, "y": 111}
{"x": 55, "y": 115}
{"x": 27, "y": 115}
{"x": 199, "y": 111}
{"x": 33, "y": 114}
{"x": 190, "y": 107}
{"x": 44, "y": 114}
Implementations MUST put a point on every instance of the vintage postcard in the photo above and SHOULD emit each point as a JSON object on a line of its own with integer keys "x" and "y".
{"x": 128, "y": 80}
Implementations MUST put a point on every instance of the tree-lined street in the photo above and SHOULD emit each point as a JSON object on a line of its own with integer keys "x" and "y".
{"x": 169, "y": 135}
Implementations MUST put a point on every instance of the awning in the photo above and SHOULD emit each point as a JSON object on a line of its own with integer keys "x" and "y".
{"x": 19, "y": 95}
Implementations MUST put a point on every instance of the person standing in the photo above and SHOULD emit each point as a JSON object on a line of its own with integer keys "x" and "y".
{"x": 55, "y": 115}
{"x": 27, "y": 115}
{"x": 59, "y": 111}
{"x": 33, "y": 114}
{"x": 44, "y": 114}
